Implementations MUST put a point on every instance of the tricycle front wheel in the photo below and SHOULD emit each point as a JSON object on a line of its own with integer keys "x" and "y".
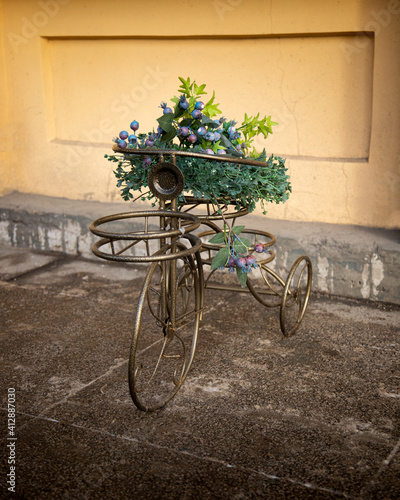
{"x": 166, "y": 328}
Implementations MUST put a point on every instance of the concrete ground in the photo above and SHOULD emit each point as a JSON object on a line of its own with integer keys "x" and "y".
{"x": 259, "y": 416}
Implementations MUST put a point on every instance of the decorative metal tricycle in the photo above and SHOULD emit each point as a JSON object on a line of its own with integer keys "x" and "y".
{"x": 171, "y": 302}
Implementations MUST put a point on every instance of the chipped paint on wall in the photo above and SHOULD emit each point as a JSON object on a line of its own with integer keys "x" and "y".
{"x": 377, "y": 274}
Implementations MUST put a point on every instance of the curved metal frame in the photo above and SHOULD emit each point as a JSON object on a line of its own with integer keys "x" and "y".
{"x": 173, "y": 153}
{"x": 167, "y": 218}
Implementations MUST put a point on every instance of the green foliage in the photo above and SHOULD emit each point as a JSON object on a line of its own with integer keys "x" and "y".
{"x": 252, "y": 126}
{"x": 241, "y": 276}
{"x": 193, "y": 92}
{"x": 218, "y": 238}
{"x": 221, "y": 258}
{"x": 219, "y": 182}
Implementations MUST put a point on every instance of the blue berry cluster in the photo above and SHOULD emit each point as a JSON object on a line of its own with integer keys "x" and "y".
{"x": 236, "y": 253}
{"x": 192, "y": 122}
{"x": 196, "y": 130}
{"x": 242, "y": 262}
{"x": 125, "y": 138}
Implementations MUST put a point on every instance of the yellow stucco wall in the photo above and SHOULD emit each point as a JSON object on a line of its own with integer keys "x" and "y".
{"x": 74, "y": 73}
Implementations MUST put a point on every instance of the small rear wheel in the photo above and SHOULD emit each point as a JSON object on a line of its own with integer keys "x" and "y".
{"x": 295, "y": 296}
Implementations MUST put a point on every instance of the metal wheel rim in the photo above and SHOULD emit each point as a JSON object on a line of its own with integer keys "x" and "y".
{"x": 302, "y": 304}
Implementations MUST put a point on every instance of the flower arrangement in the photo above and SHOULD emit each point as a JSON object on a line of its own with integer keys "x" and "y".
{"x": 191, "y": 125}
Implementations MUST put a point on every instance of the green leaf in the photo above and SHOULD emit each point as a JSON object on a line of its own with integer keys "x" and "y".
{"x": 218, "y": 238}
{"x": 192, "y": 102}
{"x": 241, "y": 276}
{"x": 178, "y": 111}
{"x": 165, "y": 121}
{"x": 168, "y": 136}
{"x": 233, "y": 152}
{"x": 221, "y": 258}
{"x": 200, "y": 90}
{"x": 185, "y": 87}
{"x": 246, "y": 242}
{"x": 237, "y": 229}
{"x": 183, "y": 80}
{"x": 242, "y": 245}
{"x": 270, "y": 122}
{"x": 211, "y": 100}
{"x": 205, "y": 120}
{"x": 186, "y": 122}
{"x": 212, "y": 110}
{"x": 225, "y": 141}
{"x": 217, "y": 145}
{"x": 239, "y": 247}
{"x": 265, "y": 131}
